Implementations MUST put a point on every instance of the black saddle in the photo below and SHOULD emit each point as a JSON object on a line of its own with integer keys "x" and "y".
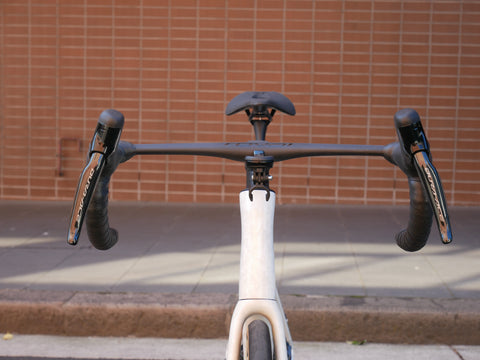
{"x": 256, "y": 99}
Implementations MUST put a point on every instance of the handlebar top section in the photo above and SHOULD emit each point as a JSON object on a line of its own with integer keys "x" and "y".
{"x": 411, "y": 154}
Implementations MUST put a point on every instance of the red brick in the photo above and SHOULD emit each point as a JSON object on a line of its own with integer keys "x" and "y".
{"x": 190, "y": 83}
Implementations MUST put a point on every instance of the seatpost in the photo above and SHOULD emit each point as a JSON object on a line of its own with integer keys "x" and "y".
{"x": 259, "y": 165}
{"x": 260, "y": 117}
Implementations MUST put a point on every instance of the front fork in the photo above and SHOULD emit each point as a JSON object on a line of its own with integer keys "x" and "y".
{"x": 258, "y": 296}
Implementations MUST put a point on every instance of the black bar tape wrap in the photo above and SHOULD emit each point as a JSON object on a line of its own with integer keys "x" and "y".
{"x": 415, "y": 236}
{"x": 100, "y": 234}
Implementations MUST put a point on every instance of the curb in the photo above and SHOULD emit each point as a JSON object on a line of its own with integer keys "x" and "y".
{"x": 311, "y": 318}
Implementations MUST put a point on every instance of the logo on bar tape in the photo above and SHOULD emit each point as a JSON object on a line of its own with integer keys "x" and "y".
{"x": 84, "y": 194}
{"x": 435, "y": 195}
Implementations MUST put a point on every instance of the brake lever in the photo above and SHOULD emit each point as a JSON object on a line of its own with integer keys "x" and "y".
{"x": 415, "y": 144}
{"x": 104, "y": 142}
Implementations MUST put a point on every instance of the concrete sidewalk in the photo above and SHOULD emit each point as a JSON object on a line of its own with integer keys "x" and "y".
{"x": 339, "y": 272}
{"x": 26, "y": 346}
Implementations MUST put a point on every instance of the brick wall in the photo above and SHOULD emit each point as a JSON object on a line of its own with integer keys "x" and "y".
{"x": 172, "y": 66}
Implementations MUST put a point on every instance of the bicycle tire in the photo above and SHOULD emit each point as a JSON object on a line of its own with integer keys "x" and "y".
{"x": 259, "y": 343}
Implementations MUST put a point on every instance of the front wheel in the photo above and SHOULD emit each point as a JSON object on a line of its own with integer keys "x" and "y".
{"x": 259, "y": 344}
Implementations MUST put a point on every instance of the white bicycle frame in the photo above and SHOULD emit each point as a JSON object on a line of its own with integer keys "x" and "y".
{"x": 258, "y": 295}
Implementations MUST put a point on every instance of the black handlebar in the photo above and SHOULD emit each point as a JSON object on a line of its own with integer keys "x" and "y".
{"x": 101, "y": 235}
{"x": 415, "y": 236}
{"x": 426, "y": 192}
{"x": 102, "y": 146}
{"x": 411, "y": 154}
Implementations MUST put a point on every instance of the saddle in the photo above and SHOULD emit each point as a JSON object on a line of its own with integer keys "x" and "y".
{"x": 260, "y": 101}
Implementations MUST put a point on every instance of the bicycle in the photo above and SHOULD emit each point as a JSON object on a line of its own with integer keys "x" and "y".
{"x": 259, "y": 328}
